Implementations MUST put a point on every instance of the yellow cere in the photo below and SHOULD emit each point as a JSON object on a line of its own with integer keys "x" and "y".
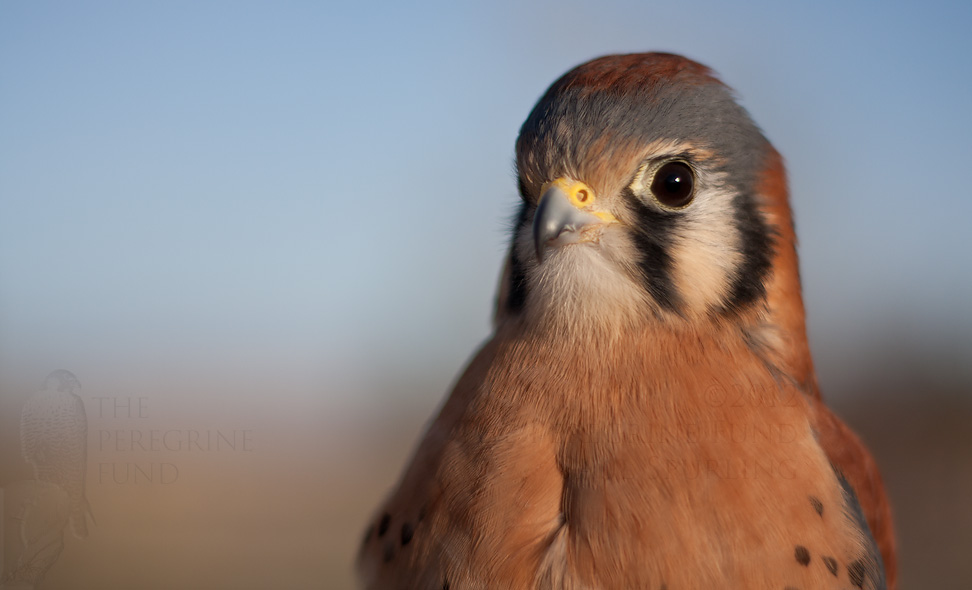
{"x": 581, "y": 196}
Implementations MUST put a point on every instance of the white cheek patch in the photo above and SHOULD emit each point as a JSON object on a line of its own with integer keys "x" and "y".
{"x": 706, "y": 250}
{"x": 705, "y": 244}
{"x": 583, "y": 286}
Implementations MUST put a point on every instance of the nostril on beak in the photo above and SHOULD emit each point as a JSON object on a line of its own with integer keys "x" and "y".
{"x": 558, "y": 222}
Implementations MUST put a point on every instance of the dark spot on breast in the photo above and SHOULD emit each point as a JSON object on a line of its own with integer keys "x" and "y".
{"x": 802, "y": 555}
{"x": 389, "y": 553}
{"x": 445, "y": 585}
{"x": 817, "y": 504}
{"x": 407, "y": 532}
{"x": 383, "y": 524}
{"x": 367, "y": 535}
{"x": 831, "y": 564}
{"x": 856, "y": 570}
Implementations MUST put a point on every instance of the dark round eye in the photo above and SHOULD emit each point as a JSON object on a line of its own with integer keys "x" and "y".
{"x": 673, "y": 184}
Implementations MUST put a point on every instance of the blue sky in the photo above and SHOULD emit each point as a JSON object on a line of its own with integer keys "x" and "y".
{"x": 296, "y": 185}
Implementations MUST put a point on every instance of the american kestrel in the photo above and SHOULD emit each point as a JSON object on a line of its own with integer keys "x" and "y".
{"x": 645, "y": 414}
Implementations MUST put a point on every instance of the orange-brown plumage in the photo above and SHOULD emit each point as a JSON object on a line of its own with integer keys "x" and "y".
{"x": 842, "y": 447}
{"x": 645, "y": 414}
{"x": 848, "y": 454}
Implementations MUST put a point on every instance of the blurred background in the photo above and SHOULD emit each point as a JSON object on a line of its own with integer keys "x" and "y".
{"x": 281, "y": 225}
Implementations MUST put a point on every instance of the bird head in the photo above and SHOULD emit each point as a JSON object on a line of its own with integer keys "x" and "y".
{"x": 63, "y": 381}
{"x": 649, "y": 196}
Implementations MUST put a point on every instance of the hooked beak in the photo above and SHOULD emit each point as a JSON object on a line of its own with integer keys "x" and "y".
{"x": 565, "y": 215}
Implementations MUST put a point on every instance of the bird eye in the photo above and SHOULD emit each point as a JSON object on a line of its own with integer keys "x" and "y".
{"x": 674, "y": 184}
